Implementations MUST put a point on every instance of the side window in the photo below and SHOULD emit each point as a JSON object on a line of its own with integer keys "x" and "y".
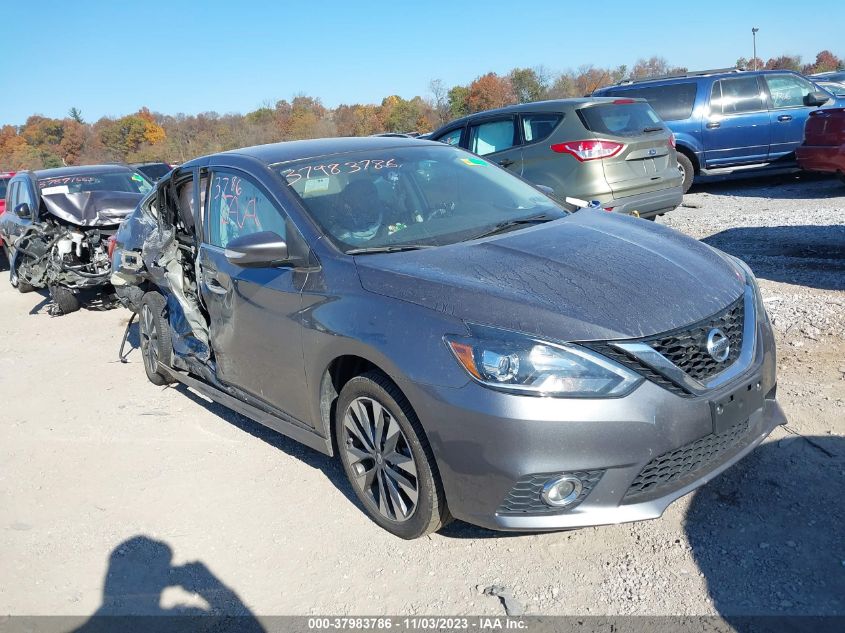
{"x": 451, "y": 138}
{"x": 673, "y": 102}
{"x": 788, "y": 91}
{"x": 536, "y": 127}
{"x": 12, "y": 200}
{"x": 736, "y": 95}
{"x": 237, "y": 207}
{"x": 493, "y": 136}
{"x": 24, "y": 194}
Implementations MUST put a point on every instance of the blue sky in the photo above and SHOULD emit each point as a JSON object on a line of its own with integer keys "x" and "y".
{"x": 111, "y": 58}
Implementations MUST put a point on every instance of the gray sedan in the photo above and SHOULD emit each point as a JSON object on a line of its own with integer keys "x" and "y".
{"x": 464, "y": 345}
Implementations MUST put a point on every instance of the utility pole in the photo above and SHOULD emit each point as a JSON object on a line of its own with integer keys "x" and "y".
{"x": 754, "y": 38}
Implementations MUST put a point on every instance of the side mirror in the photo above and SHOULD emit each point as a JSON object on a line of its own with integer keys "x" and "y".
{"x": 23, "y": 211}
{"x": 817, "y": 98}
{"x": 257, "y": 250}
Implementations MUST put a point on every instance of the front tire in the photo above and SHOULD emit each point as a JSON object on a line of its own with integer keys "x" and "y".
{"x": 387, "y": 458}
{"x": 64, "y": 299}
{"x": 687, "y": 170}
{"x": 14, "y": 280}
{"x": 154, "y": 329}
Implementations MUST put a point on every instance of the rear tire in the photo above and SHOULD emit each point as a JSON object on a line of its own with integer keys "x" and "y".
{"x": 387, "y": 459}
{"x": 64, "y": 299}
{"x": 687, "y": 170}
{"x": 154, "y": 329}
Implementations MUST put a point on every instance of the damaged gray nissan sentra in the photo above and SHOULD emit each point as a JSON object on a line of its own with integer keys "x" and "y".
{"x": 58, "y": 221}
{"x": 465, "y": 346}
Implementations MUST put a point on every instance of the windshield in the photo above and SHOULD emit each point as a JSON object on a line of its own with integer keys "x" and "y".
{"x": 426, "y": 196}
{"x": 125, "y": 181}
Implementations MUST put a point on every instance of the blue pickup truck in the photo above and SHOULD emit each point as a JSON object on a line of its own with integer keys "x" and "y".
{"x": 727, "y": 120}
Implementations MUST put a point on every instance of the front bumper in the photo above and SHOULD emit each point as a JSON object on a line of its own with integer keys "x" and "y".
{"x": 487, "y": 443}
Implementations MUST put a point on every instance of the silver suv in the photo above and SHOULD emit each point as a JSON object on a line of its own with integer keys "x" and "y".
{"x": 617, "y": 152}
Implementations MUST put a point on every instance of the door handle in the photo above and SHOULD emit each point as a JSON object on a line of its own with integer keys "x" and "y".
{"x": 713, "y": 125}
{"x": 785, "y": 117}
{"x": 506, "y": 162}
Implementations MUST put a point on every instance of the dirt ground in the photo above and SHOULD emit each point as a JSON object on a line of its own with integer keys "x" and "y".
{"x": 186, "y": 504}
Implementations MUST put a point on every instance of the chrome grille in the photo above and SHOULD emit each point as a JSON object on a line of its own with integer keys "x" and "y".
{"x": 687, "y": 348}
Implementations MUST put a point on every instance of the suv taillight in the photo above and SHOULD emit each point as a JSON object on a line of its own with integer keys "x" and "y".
{"x": 672, "y": 140}
{"x": 588, "y": 150}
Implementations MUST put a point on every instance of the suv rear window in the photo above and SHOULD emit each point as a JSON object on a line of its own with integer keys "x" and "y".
{"x": 630, "y": 119}
{"x": 673, "y": 102}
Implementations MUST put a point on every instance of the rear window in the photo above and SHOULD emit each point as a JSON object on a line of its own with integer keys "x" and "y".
{"x": 673, "y": 102}
{"x": 630, "y": 119}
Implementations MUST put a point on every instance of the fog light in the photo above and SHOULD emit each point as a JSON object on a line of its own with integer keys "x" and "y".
{"x": 561, "y": 491}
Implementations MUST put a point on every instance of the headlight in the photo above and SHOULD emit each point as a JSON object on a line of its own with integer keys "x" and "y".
{"x": 751, "y": 280}
{"x": 517, "y": 363}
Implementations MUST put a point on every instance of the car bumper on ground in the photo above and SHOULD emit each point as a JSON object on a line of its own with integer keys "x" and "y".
{"x": 647, "y": 204}
{"x": 495, "y": 451}
{"x": 821, "y": 158}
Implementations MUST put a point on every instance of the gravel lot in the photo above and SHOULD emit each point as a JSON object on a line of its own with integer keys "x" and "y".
{"x": 100, "y": 470}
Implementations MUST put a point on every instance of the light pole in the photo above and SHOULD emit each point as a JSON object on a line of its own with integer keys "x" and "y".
{"x": 754, "y": 38}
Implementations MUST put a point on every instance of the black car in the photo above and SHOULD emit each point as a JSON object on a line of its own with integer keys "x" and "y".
{"x": 57, "y": 224}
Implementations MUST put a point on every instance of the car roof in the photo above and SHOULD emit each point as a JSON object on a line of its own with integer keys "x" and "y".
{"x": 693, "y": 76}
{"x": 552, "y": 105}
{"x": 79, "y": 170}
{"x": 312, "y": 148}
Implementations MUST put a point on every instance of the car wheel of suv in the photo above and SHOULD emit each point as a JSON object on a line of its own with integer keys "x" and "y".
{"x": 16, "y": 282}
{"x": 687, "y": 170}
{"x": 155, "y": 337}
{"x": 387, "y": 458}
{"x": 64, "y": 299}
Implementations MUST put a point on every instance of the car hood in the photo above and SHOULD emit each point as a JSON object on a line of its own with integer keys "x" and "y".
{"x": 92, "y": 208}
{"x": 590, "y": 276}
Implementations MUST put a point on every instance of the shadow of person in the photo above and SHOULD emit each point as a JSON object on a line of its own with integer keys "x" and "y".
{"x": 140, "y": 570}
{"x": 768, "y": 534}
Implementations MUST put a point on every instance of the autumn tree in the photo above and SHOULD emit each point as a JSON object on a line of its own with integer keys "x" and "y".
{"x": 784, "y": 62}
{"x": 490, "y": 91}
{"x": 528, "y": 85}
{"x": 440, "y": 100}
{"x": 825, "y": 62}
{"x": 458, "y": 97}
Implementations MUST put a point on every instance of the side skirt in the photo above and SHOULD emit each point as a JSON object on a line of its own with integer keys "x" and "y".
{"x": 303, "y": 436}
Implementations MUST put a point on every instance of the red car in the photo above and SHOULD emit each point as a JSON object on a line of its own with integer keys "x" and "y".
{"x": 5, "y": 177}
{"x": 824, "y": 142}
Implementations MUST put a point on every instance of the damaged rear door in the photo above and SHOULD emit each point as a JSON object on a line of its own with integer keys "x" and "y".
{"x": 255, "y": 332}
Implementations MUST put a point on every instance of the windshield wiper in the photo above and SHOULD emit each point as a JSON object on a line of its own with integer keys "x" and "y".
{"x": 394, "y": 248}
{"x": 507, "y": 225}
{"x": 657, "y": 128}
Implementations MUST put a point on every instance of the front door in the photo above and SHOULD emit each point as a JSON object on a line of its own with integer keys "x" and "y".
{"x": 788, "y": 112}
{"x": 498, "y": 141}
{"x": 737, "y": 130}
{"x": 254, "y": 332}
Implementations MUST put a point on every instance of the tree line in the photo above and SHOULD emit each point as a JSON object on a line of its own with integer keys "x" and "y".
{"x": 152, "y": 136}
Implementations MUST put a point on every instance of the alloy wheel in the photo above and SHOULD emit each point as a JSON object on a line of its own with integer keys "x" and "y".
{"x": 380, "y": 459}
{"x": 149, "y": 339}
